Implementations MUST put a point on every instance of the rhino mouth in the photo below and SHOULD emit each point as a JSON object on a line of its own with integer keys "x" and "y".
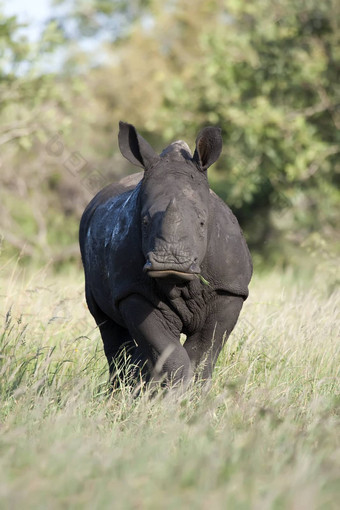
{"x": 171, "y": 273}
{"x": 185, "y": 271}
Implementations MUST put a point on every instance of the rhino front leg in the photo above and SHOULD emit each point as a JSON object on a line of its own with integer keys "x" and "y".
{"x": 158, "y": 336}
{"x": 204, "y": 347}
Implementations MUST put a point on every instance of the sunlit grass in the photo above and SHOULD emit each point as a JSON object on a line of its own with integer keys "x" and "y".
{"x": 266, "y": 434}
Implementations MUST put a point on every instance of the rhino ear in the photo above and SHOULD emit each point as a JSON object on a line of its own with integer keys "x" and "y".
{"x": 134, "y": 148}
{"x": 208, "y": 147}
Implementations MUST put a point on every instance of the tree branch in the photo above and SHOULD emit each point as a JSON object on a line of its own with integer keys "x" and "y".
{"x": 23, "y": 246}
{"x": 18, "y": 133}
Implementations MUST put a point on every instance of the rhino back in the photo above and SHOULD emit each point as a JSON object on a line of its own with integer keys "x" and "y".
{"x": 108, "y": 193}
{"x": 228, "y": 263}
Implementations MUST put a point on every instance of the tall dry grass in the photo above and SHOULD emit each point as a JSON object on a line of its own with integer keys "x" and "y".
{"x": 266, "y": 434}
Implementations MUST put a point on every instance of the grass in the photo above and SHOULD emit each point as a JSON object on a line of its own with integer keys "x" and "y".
{"x": 265, "y": 436}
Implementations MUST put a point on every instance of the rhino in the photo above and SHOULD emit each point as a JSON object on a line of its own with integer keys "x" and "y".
{"x": 163, "y": 255}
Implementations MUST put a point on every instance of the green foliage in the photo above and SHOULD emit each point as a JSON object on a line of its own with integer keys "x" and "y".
{"x": 266, "y": 72}
{"x": 33, "y": 104}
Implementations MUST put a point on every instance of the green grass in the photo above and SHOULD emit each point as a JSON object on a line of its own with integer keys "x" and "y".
{"x": 265, "y": 436}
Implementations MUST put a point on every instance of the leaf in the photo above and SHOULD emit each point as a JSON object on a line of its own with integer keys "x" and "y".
{"x": 203, "y": 280}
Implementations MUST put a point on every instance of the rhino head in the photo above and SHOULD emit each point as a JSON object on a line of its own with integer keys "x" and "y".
{"x": 174, "y": 200}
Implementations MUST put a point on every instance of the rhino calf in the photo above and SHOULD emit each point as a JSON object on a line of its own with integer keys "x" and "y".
{"x": 164, "y": 255}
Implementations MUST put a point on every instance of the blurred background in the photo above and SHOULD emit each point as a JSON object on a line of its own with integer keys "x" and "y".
{"x": 266, "y": 72}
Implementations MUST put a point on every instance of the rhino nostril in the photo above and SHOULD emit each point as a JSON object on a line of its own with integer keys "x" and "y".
{"x": 147, "y": 265}
{"x": 194, "y": 267}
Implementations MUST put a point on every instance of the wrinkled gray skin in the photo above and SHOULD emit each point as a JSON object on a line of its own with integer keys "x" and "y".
{"x": 163, "y": 255}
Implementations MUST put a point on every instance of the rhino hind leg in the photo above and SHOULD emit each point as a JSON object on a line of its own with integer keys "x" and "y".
{"x": 126, "y": 360}
{"x": 204, "y": 347}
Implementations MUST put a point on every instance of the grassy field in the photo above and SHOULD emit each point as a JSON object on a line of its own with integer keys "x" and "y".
{"x": 265, "y": 436}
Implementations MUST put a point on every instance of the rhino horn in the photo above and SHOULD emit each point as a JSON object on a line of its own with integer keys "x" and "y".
{"x": 172, "y": 217}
